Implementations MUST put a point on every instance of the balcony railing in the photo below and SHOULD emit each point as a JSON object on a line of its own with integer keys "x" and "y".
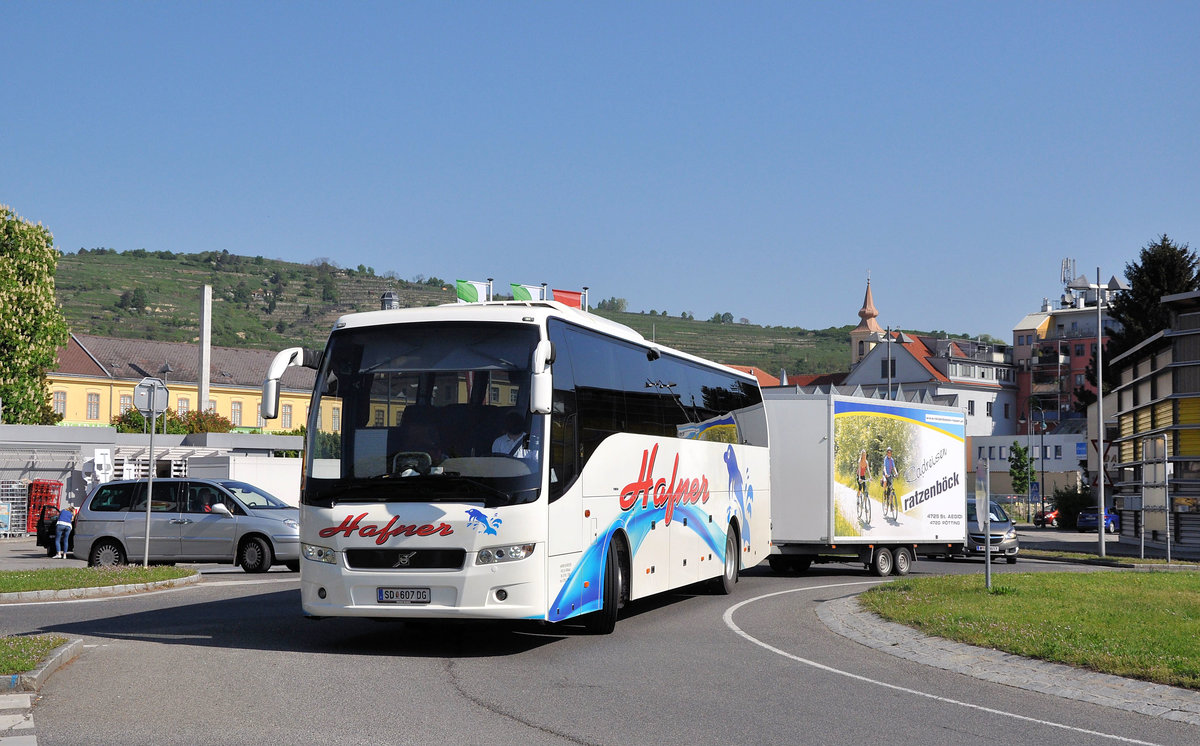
{"x": 1054, "y": 387}
{"x": 1051, "y": 360}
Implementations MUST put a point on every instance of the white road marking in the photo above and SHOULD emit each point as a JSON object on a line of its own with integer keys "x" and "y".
{"x": 728, "y": 617}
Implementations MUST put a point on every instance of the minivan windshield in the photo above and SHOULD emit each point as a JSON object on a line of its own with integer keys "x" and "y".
{"x": 997, "y": 514}
{"x": 253, "y": 497}
{"x": 425, "y": 412}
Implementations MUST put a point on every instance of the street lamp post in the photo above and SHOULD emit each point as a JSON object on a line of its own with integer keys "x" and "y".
{"x": 1042, "y": 460}
{"x": 1041, "y": 457}
{"x": 1113, "y": 284}
{"x": 1028, "y": 451}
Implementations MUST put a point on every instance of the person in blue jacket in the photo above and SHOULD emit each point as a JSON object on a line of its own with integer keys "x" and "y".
{"x": 66, "y": 518}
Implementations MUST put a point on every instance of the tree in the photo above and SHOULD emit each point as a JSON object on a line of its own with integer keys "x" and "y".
{"x": 1020, "y": 468}
{"x": 30, "y": 338}
{"x": 613, "y": 303}
{"x": 329, "y": 292}
{"x": 1163, "y": 268}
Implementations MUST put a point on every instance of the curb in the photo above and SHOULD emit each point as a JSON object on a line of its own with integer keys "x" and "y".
{"x": 74, "y": 594}
{"x": 32, "y": 681}
{"x": 1116, "y": 563}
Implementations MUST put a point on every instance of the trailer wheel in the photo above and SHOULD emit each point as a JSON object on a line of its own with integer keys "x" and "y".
{"x": 903, "y": 561}
{"x": 800, "y": 565}
{"x": 881, "y": 565}
{"x": 779, "y": 563}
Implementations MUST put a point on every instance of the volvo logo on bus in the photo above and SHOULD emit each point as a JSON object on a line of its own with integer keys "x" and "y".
{"x": 402, "y": 560}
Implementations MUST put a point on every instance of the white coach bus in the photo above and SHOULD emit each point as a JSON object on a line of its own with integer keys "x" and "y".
{"x": 520, "y": 460}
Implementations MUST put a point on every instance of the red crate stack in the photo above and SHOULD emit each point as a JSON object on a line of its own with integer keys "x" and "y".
{"x": 42, "y": 492}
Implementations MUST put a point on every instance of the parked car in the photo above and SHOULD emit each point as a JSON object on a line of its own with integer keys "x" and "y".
{"x": 1087, "y": 521}
{"x": 47, "y": 529}
{"x": 1003, "y": 532}
{"x": 191, "y": 520}
{"x": 1047, "y": 518}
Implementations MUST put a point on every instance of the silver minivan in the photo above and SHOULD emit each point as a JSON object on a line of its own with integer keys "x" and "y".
{"x": 191, "y": 520}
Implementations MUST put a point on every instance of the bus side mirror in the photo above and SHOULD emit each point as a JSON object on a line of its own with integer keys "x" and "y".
{"x": 284, "y": 360}
{"x": 270, "y": 399}
{"x": 541, "y": 388}
{"x": 543, "y": 356}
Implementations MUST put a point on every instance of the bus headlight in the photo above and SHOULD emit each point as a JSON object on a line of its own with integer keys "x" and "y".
{"x": 511, "y": 553}
{"x": 319, "y": 554}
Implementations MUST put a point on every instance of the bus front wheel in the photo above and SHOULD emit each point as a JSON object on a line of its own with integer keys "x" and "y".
{"x": 723, "y": 585}
{"x": 604, "y": 621}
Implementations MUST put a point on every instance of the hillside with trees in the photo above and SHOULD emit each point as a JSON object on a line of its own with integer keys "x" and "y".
{"x": 271, "y": 304}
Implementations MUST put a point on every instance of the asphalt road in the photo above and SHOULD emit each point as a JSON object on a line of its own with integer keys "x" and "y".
{"x": 231, "y": 660}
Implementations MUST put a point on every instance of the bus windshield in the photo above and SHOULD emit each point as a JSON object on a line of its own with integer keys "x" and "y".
{"x": 425, "y": 413}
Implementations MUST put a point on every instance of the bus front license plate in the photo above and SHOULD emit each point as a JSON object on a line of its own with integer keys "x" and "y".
{"x": 402, "y": 595}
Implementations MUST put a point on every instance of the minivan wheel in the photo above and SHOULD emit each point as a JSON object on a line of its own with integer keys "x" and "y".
{"x": 106, "y": 554}
{"x": 255, "y": 555}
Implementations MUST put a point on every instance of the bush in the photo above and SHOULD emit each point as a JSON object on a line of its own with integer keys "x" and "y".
{"x": 1070, "y": 501}
{"x": 192, "y": 422}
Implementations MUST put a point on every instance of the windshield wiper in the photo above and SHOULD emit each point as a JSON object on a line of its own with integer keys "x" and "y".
{"x": 493, "y": 491}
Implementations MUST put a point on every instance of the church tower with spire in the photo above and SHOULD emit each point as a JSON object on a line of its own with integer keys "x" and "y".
{"x": 868, "y": 332}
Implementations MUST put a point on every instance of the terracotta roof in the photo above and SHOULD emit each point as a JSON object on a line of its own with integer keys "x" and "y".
{"x": 921, "y": 353}
{"x": 135, "y": 359}
{"x": 764, "y": 378}
{"x": 74, "y": 360}
{"x": 818, "y": 379}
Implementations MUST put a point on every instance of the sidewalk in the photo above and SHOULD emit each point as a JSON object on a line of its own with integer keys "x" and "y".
{"x": 24, "y": 554}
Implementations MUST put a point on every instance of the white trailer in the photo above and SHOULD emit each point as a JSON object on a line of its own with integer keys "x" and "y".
{"x": 278, "y": 475}
{"x": 819, "y": 443}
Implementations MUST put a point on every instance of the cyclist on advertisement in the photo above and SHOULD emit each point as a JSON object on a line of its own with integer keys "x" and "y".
{"x": 864, "y": 471}
{"x": 889, "y": 469}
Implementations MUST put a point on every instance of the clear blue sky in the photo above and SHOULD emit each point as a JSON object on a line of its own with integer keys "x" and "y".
{"x": 757, "y": 158}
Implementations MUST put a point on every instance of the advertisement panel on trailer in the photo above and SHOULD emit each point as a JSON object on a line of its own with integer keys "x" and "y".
{"x": 925, "y": 463}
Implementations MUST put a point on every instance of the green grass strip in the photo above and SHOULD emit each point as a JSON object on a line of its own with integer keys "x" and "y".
{"x": 25, "y": 653}
{"x": 63, "y": 578}
{"x": 1055, "y": 554}
{"x": 1143, "y": 625}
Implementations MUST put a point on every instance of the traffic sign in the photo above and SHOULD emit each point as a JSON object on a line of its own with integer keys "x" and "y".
{"x": 1035, "y": 490}
{"x": 150, "y": 396}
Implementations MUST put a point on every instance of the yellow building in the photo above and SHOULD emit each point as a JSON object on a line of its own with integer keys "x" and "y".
{"x": 95, "y": 377}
